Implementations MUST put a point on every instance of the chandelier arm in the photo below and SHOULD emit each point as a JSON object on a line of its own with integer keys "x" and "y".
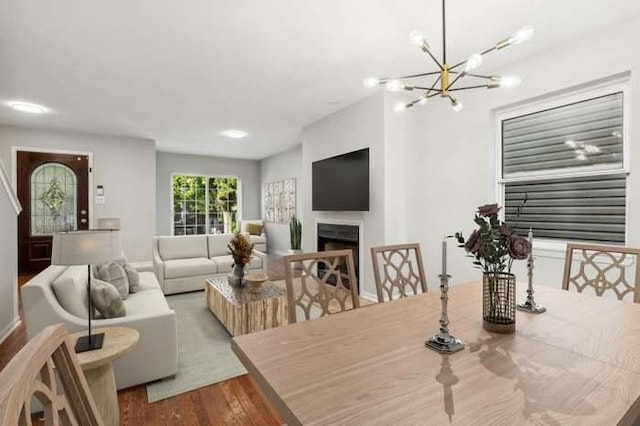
{"x": 469, "y": 87}
{"x": 458, "y": 77}
{"x": 406, "y": 77}
{"x": 434, "y": 58}
{"x": 428, "y": 89}
{"x": 487, "y": 77}
{"x": 465, "y": 61}
{"x": 431, "y": 89}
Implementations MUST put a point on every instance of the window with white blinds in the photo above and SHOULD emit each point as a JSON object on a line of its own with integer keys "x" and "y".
{"x": 563, "y": 170}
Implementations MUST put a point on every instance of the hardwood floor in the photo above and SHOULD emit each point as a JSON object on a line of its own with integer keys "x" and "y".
{"x": 238, "y": 401}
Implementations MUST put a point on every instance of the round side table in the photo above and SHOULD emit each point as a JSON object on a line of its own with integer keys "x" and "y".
{"x": 98, "y": 370}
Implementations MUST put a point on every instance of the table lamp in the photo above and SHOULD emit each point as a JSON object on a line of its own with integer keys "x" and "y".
{"x": 86, "y": 248}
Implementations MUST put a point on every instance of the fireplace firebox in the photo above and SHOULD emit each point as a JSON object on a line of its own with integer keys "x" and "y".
{"x": 339, "y": 237}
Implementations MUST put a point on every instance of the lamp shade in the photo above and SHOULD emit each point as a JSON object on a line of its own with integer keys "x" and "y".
{"x": 85, "y": 247}
{"x": 109, "y": 223}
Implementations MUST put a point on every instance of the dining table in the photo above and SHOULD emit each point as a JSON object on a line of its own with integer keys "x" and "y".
{"x": 577, "y": 363}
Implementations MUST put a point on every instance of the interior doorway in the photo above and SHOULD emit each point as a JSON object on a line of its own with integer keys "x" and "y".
{"x": 53, "y": 189}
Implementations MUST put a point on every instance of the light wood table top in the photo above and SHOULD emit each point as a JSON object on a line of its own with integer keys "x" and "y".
{"x": 578, "y": 363}
{"x": 117, "y": 341}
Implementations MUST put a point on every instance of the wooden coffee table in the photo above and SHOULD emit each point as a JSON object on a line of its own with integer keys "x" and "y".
{"x": 98, "y": 371}
{"x": 242, "y": 312}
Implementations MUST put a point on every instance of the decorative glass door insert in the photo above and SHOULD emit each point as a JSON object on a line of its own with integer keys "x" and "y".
{"x": 54, "y": 199}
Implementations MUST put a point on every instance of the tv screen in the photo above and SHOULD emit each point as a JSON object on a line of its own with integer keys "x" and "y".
{"x": 341, "y": 183}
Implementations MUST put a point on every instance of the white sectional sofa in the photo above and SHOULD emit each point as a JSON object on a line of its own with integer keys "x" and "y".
{"x": 155, "y": 356}
{"x": 183, "y": 263}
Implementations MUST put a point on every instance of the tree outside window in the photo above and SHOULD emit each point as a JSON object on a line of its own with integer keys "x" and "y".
{"x": 204, "y": 204}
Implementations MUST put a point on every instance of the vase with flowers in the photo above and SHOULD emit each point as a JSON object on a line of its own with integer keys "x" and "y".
{"x": 495, "y": 247}
{"x": 241, "y": 251}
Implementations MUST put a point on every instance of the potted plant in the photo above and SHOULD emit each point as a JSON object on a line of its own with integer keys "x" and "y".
{"x": 295, "y": 238}
{"x": 495, "y": 246}
{"x": 241, "y": 250}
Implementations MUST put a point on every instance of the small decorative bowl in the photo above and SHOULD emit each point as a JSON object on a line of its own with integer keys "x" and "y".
{"x": 255, "y": 281}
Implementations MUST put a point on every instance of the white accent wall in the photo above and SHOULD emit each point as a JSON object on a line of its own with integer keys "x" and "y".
{"x": 170, "y": 163}
{"x": 124, "y": 166}
{"x": 285, "y": 165}
{"x": 450, "y": 157}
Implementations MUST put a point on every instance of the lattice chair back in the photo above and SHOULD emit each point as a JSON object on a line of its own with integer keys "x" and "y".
{"x": 601, "y": 270}
{"x": 35, "y": 371}
{"x": 326, "y": 284}
{"x": 398, "y": 271}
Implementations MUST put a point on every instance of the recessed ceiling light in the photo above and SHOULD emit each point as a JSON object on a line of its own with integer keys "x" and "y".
{"x": 235, "y": 134}
{"x": 27, "y": 107}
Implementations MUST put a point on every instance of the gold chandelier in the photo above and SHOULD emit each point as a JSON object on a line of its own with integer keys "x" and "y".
{"x": 449, "y": 76}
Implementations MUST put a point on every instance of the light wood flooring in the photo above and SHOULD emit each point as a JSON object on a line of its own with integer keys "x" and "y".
{"x": 238, "y": 401}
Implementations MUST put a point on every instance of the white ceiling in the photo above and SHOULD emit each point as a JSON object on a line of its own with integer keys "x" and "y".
{"x": 181, "y": 72}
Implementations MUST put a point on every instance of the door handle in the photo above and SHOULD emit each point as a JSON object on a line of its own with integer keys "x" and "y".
{"x": 83, "y": 212}
{"x": 83, "y": 220}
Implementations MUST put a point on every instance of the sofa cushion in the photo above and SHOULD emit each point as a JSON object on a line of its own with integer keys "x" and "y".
{"x": 218, "y": 244}
{"x": 106, "y": 299}
{"x": 146, "y": 302}
{"x": 179, "y": 268}
{"x": 114, "y": 273}
{"x": 182, "y": 247}
{"x": 244, "y": 225}
{"x": 148, "y": 281}
{"x": 225, "y": 263}
{"x": 70, "y": 289}
{"x": 134, "y": 277}
{"x": 254, "y": 229}
{"x": 257, "y": 239}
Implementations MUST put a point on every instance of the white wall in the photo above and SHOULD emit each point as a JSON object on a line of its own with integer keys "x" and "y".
{"x": 124, "y": 166}
{"x": 287, "y": 164}
{"x": 169, "y": 163}
{"x": 358, "y": 126}
{"x": 8, "y": 266}
{"x": 450, "y": 156}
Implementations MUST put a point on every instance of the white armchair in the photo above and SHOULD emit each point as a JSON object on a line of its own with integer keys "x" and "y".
{"x": 259, "y": 241}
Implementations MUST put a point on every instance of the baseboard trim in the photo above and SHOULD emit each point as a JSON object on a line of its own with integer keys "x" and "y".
{"x": 10, "y": 329}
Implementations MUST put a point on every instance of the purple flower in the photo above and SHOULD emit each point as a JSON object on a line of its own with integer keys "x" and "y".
{"x": 505, "y": 230}
{"x": 488, "y": 210}
{"x": 518, "y": 247}
{"x": 473, "y": 242}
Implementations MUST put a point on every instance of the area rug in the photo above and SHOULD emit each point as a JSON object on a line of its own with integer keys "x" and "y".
{"x": 204, "y": 349}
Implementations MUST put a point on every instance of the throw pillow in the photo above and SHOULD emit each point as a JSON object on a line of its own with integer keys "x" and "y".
{"x": 115, "y": 274}
{"x": 133, "y": 276}
{"x": 254, "y": 228}
{"x": 106, "y": 299}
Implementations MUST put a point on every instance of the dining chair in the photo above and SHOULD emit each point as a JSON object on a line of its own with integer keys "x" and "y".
{"x": 325, "y": 283}
{"x": 398, "y": 271}
{"x": 603, "y": 269}
{"x": 42, "y": 365}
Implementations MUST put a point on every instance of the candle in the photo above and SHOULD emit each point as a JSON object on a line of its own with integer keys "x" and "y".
{"x": 444, "y": 258}
{"x": 531, "y": 241}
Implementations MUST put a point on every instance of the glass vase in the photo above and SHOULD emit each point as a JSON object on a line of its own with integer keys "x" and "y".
{"x": 499, "y": 302}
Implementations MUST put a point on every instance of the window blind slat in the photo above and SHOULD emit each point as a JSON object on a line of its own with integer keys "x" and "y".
{"x": 587, "y": 133}
{"x": 588, "y": 208}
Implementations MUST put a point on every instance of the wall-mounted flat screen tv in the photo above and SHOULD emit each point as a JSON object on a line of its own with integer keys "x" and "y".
{"x": 341, "y": 183}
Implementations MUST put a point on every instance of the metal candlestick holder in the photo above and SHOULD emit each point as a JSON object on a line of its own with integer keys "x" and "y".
{"x": 443, "y": 342}
{"x": 530, "y": 304}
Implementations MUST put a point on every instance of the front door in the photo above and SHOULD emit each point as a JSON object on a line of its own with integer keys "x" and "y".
{"x": 53, "y": 191}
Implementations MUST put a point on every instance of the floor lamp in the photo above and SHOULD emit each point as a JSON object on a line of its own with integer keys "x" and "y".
{"x": 91, "y": 247}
